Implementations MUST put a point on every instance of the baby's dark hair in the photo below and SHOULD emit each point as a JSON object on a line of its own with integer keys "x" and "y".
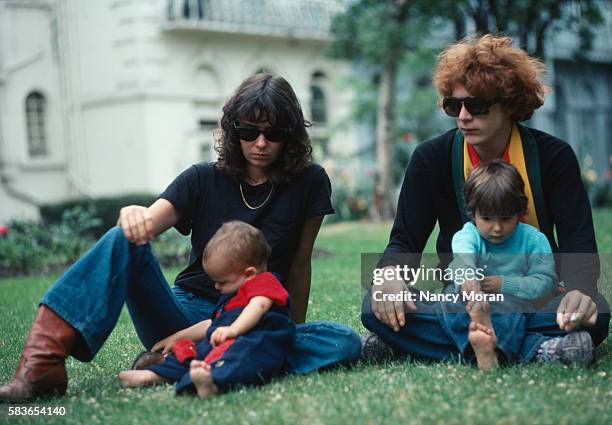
{"x": 240, "y": 243}
{"x": 495, "y": 189}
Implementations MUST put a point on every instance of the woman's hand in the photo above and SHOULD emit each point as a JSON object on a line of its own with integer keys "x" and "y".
{"x": 491, "y": 284}
{"x": 576, "y": 310}
{"x": 137, "y": 224}
{"x": 221, "y": 334}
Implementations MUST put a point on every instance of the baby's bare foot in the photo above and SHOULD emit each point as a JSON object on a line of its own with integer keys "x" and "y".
{"x": 201, "y": 376}
{"x": 482, "y": 336}
{"x": 138, "y": 378}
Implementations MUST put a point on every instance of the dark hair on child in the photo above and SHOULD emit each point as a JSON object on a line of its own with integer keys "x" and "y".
{"x": 495, "y": 189}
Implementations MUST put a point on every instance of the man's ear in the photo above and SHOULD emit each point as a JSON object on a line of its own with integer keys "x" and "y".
{"x": 250, "y": 271}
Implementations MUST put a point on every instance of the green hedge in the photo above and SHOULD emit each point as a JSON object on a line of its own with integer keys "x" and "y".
{"x": 106, "y": 209}
{"x": 32, "y": 247}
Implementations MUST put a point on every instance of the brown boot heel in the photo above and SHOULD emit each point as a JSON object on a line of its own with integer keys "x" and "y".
{"x": 41, "y": 371}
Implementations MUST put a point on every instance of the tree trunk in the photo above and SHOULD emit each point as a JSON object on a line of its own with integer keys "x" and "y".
{"x": 384, "y": 199}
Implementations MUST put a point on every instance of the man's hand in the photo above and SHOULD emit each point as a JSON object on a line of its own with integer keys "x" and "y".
{"x": 221, "y": 334}
{"x": 391, "y": 313}
{"x": 576, "y": 310}
{"x": 137, "y": 224}
{"x": 491, "y": 284}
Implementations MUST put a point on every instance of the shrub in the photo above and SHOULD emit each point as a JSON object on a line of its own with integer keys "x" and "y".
{"x": 172, "y": 249}
{"x": 30, "y": 246}
{"x": 601, "y": 195}
{"x": 106, "y": 209}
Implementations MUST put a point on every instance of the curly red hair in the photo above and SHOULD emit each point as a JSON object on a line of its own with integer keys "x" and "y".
{"x": 489, "y": 67}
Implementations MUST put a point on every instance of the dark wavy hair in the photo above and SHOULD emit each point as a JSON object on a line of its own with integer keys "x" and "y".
{"x": 489, "y": 67}
{"x": 495, "y": 188}
{"x": 265, "y": 98}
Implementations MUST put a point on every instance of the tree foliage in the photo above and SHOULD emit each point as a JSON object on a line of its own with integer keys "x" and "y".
{"x": 531, "y": 22}
{"x": 378, "y": 34}
{"x": 389, "y": 40}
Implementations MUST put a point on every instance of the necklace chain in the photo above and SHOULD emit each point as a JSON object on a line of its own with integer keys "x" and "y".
{"x": 258, "y": 206}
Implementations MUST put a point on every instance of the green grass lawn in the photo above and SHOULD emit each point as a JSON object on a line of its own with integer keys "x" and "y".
{"x": 395, "y": 393}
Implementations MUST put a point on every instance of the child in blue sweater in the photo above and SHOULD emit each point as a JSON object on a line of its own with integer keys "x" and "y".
{"x": 517, "y": 261}
{"x": 516, "y": 256}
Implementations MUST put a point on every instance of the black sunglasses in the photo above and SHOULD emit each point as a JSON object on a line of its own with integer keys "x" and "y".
{"x": 271, "y": 134}
{"x": 474, "y": 105}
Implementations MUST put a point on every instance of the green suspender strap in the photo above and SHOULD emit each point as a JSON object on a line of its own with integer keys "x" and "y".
{"x": 523, "y": 152}
{"x": 457, "y": 171}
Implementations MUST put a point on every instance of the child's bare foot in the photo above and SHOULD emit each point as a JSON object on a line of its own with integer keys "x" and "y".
{"x": 483, "y": 341}
{"x": 200, "y": 375}
{"x": 138, "y": 378}
{"x": 482, "y": 336}
{"x": 480, "y": 312}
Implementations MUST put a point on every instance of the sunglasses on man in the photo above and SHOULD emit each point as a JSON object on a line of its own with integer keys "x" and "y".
{"x": 474, "y": 105}
{"x": 272, "y": 134}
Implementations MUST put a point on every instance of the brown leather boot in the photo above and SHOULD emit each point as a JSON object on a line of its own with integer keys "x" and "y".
{"x": 41, "y": 370}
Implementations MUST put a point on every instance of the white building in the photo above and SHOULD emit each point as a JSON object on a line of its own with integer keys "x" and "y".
{"x": 579, "y": 107}
{"x": 108, "y": 97}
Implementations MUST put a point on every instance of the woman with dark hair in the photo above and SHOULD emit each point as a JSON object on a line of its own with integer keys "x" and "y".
{"x": 264, "y": 177}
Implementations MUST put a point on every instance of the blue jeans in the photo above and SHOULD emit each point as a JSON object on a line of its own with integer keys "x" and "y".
{"x": 436, "y": 333}
{"x": 91, "y": 294}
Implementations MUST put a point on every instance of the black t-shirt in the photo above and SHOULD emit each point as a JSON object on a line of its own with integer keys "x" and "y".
{"x": 205, "y": 198}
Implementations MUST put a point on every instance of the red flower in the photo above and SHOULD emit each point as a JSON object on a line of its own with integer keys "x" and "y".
{"x": 3, "y": 230}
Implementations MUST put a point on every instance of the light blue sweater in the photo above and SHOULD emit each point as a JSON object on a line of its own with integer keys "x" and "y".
{"x": 524, "y": 260}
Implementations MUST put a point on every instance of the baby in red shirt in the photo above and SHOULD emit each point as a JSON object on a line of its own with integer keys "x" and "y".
{"x": 250, "y": 333}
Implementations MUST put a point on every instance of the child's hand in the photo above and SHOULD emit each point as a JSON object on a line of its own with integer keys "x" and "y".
{"x": 221, "y": 334}
{"x": 470, "y": 286}
{"x": 491, "y": 284}
{"x": 165, "y": 345}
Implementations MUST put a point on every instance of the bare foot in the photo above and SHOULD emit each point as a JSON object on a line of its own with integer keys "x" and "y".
{"x": 139, "y": 378}
{"x": 200, "y": 375}
{"x": 482, "y": 336}
{"x": 480, "y": 312}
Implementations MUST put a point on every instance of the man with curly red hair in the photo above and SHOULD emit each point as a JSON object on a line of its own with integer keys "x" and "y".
{"x": 489, "y": 86}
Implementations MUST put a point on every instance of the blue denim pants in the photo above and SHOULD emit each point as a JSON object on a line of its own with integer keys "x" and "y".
{"x": 436, "y": 332}
{"x": 114, "y": 272}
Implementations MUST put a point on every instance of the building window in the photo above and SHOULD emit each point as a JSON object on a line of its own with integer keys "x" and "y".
{"x": 320, "y": 148}
{"x": 207, "y": 129}
{"x": 318, "y": 112}
{"x": 318, "y": 107}
{"x": 35, "y": 109}
{"x": 318, "y": 101}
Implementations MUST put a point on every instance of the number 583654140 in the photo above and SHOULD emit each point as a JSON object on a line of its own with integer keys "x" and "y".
{"x": 31, "y": 410}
